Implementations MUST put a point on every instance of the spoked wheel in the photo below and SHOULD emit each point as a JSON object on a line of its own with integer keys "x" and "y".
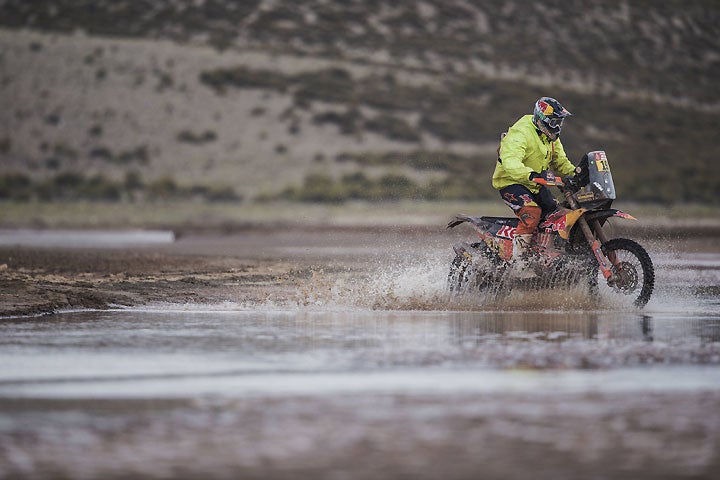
{"x": 633, "y": 274}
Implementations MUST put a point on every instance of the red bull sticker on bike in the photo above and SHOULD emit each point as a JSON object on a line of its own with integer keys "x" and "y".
{"x": 556, "y": 225}
{"x": 506, "y": 232}
{"x": 562, "y": 224}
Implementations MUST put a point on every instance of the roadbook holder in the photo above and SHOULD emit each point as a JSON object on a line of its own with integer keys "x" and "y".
{"x": 595, "y": 179}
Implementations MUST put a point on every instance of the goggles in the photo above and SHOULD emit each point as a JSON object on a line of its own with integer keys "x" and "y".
{"x": 554, "y": 122}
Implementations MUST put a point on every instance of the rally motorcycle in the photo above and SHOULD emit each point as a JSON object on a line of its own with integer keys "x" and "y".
{"x": 569, "y": 247}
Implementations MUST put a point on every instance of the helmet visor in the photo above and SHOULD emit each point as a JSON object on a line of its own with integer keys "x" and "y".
{"x": 554, "y": 122}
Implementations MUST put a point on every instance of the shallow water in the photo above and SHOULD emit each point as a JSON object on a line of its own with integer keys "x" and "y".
{"x": 84, "y": 238}
{"x": 373, "y": 375}
{"x": 150, "y": 354}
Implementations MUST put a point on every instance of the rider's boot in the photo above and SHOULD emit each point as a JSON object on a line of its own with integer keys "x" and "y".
{"x": 519, "y": 266}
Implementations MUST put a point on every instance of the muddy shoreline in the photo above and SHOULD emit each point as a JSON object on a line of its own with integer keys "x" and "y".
{"x": 42, "y": 281}
{"x": 242, "y": 264}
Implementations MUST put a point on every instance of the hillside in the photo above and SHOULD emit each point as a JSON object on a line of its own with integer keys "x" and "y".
{"x": 320, "y": 100}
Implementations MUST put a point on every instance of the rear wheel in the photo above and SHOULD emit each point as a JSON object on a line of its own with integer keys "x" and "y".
{"x": 633, "y": 274}
{"x": 477, "y": 270}
{"x": 458, "y": 275}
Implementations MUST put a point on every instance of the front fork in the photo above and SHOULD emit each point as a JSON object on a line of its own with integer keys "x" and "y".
{"x": 595, "y": 243}
{"x": 596, "y": 246}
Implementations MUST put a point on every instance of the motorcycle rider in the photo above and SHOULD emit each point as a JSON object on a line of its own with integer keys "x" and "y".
{"x": 528, "y": 153}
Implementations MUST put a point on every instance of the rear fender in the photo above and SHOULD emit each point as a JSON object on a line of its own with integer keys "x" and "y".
{"x": 496, "y": 232}
{"x": 485, "y": 229}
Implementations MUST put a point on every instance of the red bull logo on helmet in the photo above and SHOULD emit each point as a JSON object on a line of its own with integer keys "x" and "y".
{"x": 545, "y": 108}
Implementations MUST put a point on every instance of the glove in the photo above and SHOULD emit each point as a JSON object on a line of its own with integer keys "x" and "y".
{"x": 546, "y": 178}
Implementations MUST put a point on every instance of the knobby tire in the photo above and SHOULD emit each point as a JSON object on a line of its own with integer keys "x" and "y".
{"x": 634, "y": 249}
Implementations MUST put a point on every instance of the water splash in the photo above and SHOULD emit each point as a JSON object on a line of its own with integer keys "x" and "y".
{"x": 419, "y": 282}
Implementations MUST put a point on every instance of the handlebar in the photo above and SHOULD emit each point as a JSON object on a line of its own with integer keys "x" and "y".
{"x": 567, "y": 192}
{"x": 557, "y": 183}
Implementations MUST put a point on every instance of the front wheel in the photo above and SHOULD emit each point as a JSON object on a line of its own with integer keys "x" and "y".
{"x": 633, "y": 274}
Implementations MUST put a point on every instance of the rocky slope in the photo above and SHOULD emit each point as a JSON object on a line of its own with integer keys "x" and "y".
{"x": 252, "y": 97}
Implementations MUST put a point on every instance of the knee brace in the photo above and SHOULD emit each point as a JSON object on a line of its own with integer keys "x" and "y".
{"x": 529, "y": 218}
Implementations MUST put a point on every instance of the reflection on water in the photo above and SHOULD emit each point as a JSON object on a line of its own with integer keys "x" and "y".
{"x": 72, "y": 353}
{"x": 281, "y": 394}
{"x": 85, "y": 238}
{"x": 561, "y": 327}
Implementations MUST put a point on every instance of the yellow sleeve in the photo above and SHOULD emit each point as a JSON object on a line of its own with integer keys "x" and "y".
{"x": 512, "y": 154}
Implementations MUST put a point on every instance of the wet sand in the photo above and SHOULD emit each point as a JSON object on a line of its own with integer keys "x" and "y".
{"x": 42, "y": 281}
{"x": 249, "y": 266}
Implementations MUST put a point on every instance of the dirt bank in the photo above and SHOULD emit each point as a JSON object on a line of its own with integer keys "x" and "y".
{"x": 38, "y": 281}
{"x": 246, "y": 266}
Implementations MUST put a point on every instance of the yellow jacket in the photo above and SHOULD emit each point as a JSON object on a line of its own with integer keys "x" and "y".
{"x": 522, "y": 151}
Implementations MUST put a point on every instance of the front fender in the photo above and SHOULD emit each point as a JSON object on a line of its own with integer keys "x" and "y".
{"x": 606, "y": 213}
{"x": 576, "y": 236}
